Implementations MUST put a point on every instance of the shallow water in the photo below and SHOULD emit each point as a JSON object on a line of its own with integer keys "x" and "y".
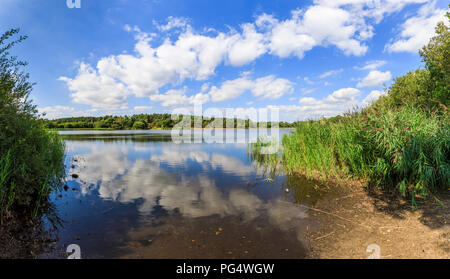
{"x": 139, "y": 195}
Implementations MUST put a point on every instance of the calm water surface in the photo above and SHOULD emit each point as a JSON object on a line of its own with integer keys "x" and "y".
{"x": 139, "y": 195}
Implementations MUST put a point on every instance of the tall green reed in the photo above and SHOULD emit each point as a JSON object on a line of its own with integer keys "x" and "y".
{"x": 405, "y": 150}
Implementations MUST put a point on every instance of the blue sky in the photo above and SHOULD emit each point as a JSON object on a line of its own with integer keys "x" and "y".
{"x": 306, "y": 58}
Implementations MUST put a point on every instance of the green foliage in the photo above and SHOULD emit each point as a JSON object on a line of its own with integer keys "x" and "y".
{"x": 400, "y": 143}
{"x": 411, "y": 149}
{"x": 139, "y": 125}
{"x": 29, "y": 155}
{"x": 310, "y": 149}
{"x": 266, "y": 161}
{"x": 141, "y": 122}
{"x": 413, "y": 89}
{"x": 406, "y": 149}
{"x": 436, "y": 56}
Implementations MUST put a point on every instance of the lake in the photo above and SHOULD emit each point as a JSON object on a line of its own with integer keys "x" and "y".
{"x": 137, "y": 194}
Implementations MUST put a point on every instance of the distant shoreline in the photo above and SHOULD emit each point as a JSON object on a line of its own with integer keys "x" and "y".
{"x": 157, "y": 129}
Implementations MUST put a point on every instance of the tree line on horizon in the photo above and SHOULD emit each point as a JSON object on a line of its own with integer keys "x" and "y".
{"x": 148, "y": 121}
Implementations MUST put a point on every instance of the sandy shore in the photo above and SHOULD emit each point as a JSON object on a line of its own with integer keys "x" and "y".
{"x": 352, "y": 218}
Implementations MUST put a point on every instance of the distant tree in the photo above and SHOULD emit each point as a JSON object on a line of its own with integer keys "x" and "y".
{"x": 139, "y": 125}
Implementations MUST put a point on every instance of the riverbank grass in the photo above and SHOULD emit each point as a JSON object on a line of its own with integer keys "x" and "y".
{"x": 405, "y": 149}
{"x": 31, "y": 158}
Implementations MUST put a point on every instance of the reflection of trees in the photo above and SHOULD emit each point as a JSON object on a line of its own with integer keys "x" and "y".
{"x": 104, "y": 137}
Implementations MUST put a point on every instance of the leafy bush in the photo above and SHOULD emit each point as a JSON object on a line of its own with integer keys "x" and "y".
{"x": 31, "y": 162}
{"x": 436, "y": 56}
{"x": 413, "y": 89}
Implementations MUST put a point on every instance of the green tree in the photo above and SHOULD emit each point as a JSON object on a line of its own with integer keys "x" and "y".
{"x": 411, "y": 89}
{"x": 436, "y": 56}
{"x": 30, "y": 157}
{"x": 139, "y": 125}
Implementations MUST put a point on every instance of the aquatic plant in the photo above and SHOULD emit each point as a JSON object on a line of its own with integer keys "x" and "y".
{"x": 405, "y": 149}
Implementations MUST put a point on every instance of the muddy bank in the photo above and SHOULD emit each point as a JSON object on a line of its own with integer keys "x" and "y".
{"x": 23, "y": 239}
{"x": 357, "y": 217}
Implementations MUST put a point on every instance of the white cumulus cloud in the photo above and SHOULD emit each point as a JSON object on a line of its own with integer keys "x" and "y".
{"x": 375, "y": 78}
{"x": 343, "y": 95}
{"x": 96, "y": 90}
{"x": 331, "y": 73}
{"x": 268, "y": 87}
{"x": 417, "y": 30}
{"x": 189, "y": 54}
{"x": 372, "y": 65}
{"x": 247, "y": 47}
{"x": 54, "y": 112}
{"x": 372, "y": 97}
{"x": 177, "y": 98}
{"x": 340, "y": 101}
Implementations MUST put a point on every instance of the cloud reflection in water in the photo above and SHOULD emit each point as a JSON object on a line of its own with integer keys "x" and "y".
{"x": 110, "y": 169}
